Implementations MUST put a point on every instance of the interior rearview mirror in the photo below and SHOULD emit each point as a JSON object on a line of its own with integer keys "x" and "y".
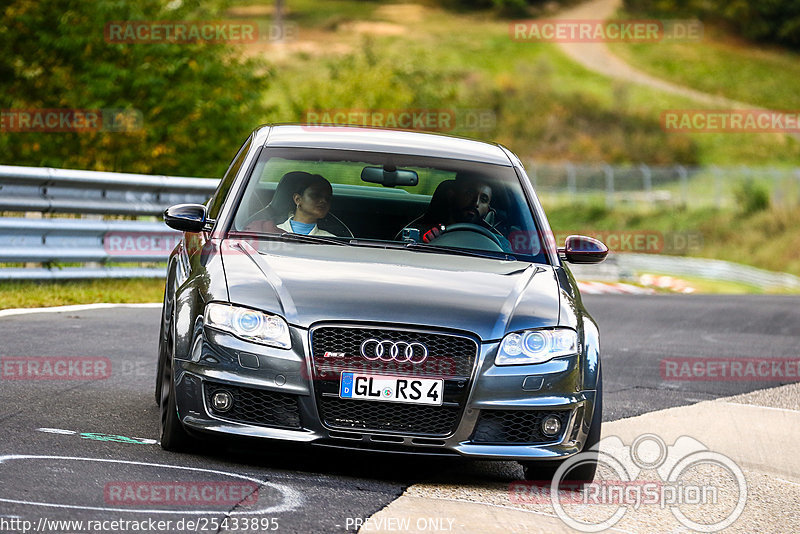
{"x": 389, "y": 176}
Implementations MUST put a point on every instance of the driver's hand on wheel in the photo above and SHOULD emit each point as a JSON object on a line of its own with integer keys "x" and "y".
{"x": 433, "y": 233}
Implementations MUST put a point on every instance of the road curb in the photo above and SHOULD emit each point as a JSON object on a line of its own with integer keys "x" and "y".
{"x": 752, "y": 435}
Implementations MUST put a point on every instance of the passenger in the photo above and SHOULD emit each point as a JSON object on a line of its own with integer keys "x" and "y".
{"x": 312, "y": 200}
{"x": 468, "y": 201}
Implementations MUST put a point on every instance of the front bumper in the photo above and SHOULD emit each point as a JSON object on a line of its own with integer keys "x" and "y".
{"x": 515, "y": 392}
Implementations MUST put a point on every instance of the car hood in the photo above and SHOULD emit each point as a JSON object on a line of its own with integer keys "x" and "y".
{"x": 310, "y": 283}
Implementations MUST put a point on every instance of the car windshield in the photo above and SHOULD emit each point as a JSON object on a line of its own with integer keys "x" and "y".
{"x": 420, "y": 204}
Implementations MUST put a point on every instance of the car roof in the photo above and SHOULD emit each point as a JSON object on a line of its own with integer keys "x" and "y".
{"x": 345, "y": 137}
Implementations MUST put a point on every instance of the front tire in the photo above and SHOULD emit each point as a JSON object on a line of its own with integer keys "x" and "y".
{"x": 171, "y": 431}
{"x": 585, "y": 471}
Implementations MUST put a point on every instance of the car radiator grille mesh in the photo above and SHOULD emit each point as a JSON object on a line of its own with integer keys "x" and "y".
{"x": 449, "y": 357}
{"x": 256, "y": 406}
{"x": 390, "y": 417}
{"x": 516, "y": 426}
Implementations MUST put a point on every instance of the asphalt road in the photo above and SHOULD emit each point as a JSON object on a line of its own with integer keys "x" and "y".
{"x": 104, "y": 424}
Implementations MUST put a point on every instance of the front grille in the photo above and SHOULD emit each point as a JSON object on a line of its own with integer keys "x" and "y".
{"x": 450, "y": 357}
{"x": 516, "y": 426}
{"x": 256, "y": 406}
{"x": 390, "y": 416}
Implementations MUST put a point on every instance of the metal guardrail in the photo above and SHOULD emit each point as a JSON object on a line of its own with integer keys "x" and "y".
{"x": 53, "y": 241}
{"x": 46, "y": 190}
{"x": 623, "y": 267}
{"x": 84, "y": 240}
{"x": 679, "y": 185}
{"x": 60, "y": 240}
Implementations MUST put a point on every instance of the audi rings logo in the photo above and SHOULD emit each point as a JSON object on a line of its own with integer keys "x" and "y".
{"x": 399, "y": 351}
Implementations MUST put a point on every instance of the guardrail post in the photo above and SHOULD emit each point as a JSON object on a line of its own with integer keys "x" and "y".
{"x": 683, "y": 176}
{"x": 717, "y": 186}
{"x": 608, "y": 170}
{"x": 647, "y": 181}
{"x": 571, "y": 188}
{"x": 797, "y": 175}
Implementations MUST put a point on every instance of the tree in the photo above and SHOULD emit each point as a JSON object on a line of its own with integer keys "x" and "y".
{"x": 196, "y": 101}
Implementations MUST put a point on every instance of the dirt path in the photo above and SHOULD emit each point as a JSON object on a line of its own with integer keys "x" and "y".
{"x": 597, "y": 57}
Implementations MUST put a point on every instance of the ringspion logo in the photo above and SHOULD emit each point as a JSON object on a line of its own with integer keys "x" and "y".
{"x": 689, "y": 477}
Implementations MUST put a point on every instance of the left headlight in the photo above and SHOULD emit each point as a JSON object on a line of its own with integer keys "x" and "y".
{"x": 536, "y": 346}
{"x": 248, "y": 324}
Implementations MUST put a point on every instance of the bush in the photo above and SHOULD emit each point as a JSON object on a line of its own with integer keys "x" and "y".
{"x": 772, "y": 21}
{"x": 751, "y": 197}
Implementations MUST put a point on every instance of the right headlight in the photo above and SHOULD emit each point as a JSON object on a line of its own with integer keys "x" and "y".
{"x": 252, "y": 325}
{"x": 536, "y": 346}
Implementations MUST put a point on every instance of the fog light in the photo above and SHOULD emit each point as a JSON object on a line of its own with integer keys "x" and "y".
{"x": 551, "y": 425}
{"x": 221, "y": 401}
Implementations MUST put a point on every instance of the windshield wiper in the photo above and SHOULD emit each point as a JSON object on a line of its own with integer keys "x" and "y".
{"x": 288, "y": 236}
{"x": 461, "y": 251}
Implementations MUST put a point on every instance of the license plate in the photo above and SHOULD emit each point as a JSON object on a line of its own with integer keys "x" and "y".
{"x": 391, "y": 388}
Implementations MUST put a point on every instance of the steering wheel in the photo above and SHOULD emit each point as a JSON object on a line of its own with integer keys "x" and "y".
{"x": 469, "y": 227}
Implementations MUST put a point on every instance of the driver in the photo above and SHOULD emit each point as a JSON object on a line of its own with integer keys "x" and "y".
{"x": 468, "y": 201}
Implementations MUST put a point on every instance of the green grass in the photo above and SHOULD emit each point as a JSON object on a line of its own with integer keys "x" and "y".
{"x": 766, "y": 239}
{"x": 546, "y": 106}
{"x": 723, "y": 287}
{"x": 31, "y": 294}
{"x": 323, "y": 14}
{"x": 762, "y": 76}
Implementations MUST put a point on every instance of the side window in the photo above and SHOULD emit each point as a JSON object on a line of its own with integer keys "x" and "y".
{"x": 227, "y": 181}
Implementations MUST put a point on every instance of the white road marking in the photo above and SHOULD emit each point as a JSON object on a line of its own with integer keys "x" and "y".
{"x": 75, "y": 308}
{"x": 291, "y": 497}
{"x": 56, "y": 431}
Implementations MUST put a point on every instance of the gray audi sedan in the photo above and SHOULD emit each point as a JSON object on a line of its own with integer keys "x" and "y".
{"x": 379, "y": 290}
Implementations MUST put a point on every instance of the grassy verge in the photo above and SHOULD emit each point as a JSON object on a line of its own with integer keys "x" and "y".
{"x": 767, "y": 239}
{"x": 544, "y": 106}
{"x": 31, "y": 294}
{"x": 722, "y": 65}
{"x": 722, "y": 287}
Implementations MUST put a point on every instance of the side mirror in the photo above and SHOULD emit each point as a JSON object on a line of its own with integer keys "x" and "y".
{"x": 582, "y": 249}
{"x": 186, "y": 217}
